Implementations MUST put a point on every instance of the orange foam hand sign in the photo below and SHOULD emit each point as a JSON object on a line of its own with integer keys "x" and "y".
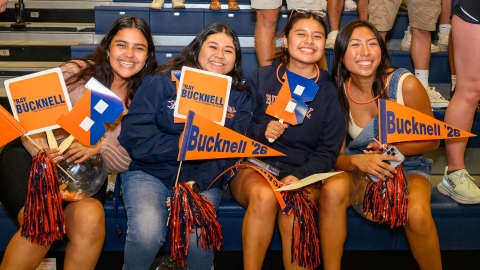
{"x": 289, "y": 104}
{"x": 38, "y": 99}
{"x": 398, "y": 123}
{"x": 204, "y": 139}
{"x": 98, "y": 106}
{"x": 205, "y": 93}
{"x": 9, "y": 127}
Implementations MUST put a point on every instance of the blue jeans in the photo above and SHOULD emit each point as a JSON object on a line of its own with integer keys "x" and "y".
{"x": 144, "y": 197}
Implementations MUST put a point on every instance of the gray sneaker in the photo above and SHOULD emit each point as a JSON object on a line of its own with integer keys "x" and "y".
{"x": 459, "y": 185}
{"x": 436, "y": 99}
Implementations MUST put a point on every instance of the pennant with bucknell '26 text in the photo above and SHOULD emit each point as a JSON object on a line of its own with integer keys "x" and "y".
{"x": 204, "y": 139}
{"x": 206, "y": 93}
{"x": 398, "y": 123}
{"x": 86, "y": 121}
{"x": 289, "y": 104}
{"x": 9, "y": 127}
{"x": 38, "y": 99}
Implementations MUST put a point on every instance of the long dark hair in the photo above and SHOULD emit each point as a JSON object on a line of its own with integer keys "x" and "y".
{"x": 281, "y": 53}
{"x": 340, "y": 73}
{"x": 97, "y": 64}
{"x": 189, "y": 55}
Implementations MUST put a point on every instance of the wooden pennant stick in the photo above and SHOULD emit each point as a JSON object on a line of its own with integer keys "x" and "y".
{"x": 66, "y": 143}
{"x": 52, "y": 142}
{"x": 176, "y": 182}
{"x": 33, "y": 142}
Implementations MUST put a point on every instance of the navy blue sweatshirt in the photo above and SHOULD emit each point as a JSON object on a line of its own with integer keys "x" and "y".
{"x": 151, "y": 137}
{"x": 313, "y": 145}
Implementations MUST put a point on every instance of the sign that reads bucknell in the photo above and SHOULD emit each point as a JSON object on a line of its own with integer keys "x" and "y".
{"x": 38, "y": 99}
{"x": 205, "y": 93}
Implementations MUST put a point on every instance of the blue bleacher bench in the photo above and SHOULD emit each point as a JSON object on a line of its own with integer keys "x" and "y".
{"x": 457, "y": 227}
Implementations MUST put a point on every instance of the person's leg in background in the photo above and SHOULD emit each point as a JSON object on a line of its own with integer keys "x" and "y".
{"x": 457, "y": 182}
{"x": 267, "y": 17}
{"x": 362, "y": 8}
{"x": 334, "y": 11}
{"x": 423, "y": 15}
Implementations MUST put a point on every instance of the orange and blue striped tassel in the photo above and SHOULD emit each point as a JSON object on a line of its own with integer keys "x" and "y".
{"x": 305, "y": 240}
{"x": 386, "y": 201}
{"x": 43, "y": 218}
{"x": 192, "y": 213}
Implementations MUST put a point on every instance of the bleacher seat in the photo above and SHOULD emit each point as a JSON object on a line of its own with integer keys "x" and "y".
{"x": 106, "y": 15}
{"x": 454, "y": 224}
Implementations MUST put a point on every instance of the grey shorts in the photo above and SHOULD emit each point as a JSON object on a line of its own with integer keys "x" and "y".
{"x": 291, "y": 4}
{"x": 422, "y": 14}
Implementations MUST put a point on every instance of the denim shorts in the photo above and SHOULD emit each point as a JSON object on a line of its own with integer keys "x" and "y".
{"x": 418, "y": 165}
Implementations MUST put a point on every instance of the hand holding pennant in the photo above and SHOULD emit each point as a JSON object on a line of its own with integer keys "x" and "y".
{"x": 289, "y": 106}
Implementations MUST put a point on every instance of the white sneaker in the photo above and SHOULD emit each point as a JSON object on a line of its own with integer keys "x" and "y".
{"x": 436, "y": 99}
{"x": 156, "y": 4}
{"x": 331, "y": 40}
{"x": 443, "y": 41}
{"x": 178, "y": 4}
{"x": 350, "y": 5}
{"x": 460, "y": 187}
{"x": 407, "y": 42}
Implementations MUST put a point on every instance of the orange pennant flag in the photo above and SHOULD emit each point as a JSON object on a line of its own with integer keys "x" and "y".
{"x": 9, "y": 127}
{"x": 398, "y": 123}
{"x": 205, "y": 93}
{"x": 204, "y": 139}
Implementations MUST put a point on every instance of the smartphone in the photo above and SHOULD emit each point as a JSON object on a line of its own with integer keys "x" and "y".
{"x": 391, "y": 151}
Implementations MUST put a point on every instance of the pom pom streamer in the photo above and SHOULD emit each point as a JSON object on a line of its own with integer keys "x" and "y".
{"x": 305, "y": 240}
{"x": 192, "y": 212}
{"x": 387, "y": 201}
{"x": 43, "y": 219}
